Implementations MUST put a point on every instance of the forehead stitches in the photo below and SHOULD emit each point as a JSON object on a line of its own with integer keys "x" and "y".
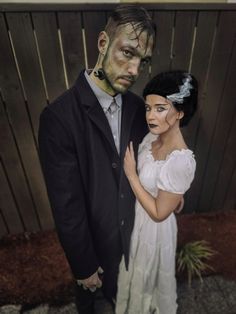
{"x": 135, "y": 40}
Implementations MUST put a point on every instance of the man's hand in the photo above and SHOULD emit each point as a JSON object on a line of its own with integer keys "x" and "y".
{"x": 93, "y": 282}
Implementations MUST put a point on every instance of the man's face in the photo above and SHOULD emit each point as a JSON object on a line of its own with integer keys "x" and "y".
{"x": 125, "y": 58}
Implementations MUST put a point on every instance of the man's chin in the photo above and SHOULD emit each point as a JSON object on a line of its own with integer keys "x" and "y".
{"x": 121, "y": 88}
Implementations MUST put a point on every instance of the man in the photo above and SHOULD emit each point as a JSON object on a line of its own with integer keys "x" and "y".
{"x": 83, "y": 136}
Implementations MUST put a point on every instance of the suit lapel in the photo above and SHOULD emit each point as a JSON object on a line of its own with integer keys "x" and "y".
{"x": 129, "y": 109}
{"x": 97, "y": 115}
{"x": 93, "y": 109}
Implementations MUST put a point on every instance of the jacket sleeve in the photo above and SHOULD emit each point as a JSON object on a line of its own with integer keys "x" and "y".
{"x": 66, "y": 194}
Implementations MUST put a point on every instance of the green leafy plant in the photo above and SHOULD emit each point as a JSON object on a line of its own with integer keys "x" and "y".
{"x": 192, "y": 258}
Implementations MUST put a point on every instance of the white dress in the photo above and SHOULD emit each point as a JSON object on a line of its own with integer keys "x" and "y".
{"x": 149, "y": 286}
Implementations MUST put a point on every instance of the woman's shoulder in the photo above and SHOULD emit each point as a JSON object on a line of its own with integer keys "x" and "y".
{"x": 179, "y": 158}
{"x": 181, "y": 153}
{"x": 181, "y": 162}
{"x": 178, "y": 171}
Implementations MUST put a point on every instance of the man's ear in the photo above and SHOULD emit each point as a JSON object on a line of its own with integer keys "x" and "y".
{"x": 103, "y": 42}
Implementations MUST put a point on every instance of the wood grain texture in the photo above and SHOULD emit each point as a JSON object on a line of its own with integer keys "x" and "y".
{"x": 45, "y": 25}
{"x": 21, "y": 129}
{"x": 198, "y": 36}
{"x": 26, "y": 53}
{"x": 70, "y": 25}
{"x": 217, "y": 78}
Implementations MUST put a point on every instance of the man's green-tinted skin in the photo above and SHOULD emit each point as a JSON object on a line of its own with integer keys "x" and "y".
{"x": 122, "y": 59}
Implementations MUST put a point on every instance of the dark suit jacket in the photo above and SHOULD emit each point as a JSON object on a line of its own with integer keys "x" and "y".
{"x": 92, "y": 202}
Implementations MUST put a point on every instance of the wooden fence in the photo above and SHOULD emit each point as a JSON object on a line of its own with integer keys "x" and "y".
{"x": 42, "y": 49}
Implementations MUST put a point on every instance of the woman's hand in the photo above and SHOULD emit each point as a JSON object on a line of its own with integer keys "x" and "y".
{"x": 130, "y": 163}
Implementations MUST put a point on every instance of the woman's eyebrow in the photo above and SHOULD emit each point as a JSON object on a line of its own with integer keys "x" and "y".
{"x": 162, "y": 104}
{"x": 156, "y": 105}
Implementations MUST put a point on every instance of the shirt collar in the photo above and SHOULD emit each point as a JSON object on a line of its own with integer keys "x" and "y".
{"x": 103, "y": 98}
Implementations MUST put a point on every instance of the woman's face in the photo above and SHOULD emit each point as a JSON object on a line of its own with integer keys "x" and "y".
{"x": 161, "y": 115}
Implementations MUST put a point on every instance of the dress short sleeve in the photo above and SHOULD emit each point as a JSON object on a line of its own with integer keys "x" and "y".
{"x": 177, "y": 172}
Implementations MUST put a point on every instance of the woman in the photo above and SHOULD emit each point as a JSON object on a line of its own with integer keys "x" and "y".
{"x": 165, "y": 171}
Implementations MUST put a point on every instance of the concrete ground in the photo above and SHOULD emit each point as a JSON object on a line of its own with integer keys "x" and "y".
{"x": 214, "y": 296}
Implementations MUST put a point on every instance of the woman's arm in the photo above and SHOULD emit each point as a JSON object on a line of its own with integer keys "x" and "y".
{"x": 158, "y": 208}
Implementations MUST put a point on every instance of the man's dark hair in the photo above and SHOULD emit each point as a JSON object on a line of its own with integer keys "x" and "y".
{"x": 135, "y": 15}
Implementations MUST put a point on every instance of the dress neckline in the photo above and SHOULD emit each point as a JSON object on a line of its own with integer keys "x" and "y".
{"x": 174, "y": 152}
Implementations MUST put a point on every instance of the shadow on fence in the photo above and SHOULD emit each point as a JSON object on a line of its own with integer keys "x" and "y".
{"x": 43, "y": 48}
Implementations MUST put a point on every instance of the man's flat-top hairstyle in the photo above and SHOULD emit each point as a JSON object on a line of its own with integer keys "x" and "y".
{"x": 137, "y": 16}
{"x": 180, "y": 87}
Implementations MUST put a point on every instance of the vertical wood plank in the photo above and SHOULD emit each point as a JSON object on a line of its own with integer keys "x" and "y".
{"x": 206, "y": 27}
{"x": 108, "y": 14}
{"x": 21, "y": 127}
{"x": 183, "y": 39}
{"x": 227, "y": 168}
{"x": 26, "y": 54}
{"x": 142, "y": 80}
{"x": 12, "y": 162}
{"x": 223, "y": 125}
{"x": 3, "y": 228}
{"x": 94, "y": 23}
{"x": 45, "y": 25}
{"x": 70, "y": 25}
{"x": 10, "y": 88}
{"x": 161, "y": 57}
{"x": 8, "y": 207}
{"x": 230, "y": 201}
{"x": 217, "y": 75}
{"x": 200, "y": 63}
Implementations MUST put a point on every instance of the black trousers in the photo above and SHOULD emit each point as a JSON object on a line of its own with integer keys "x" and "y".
{"x": 85, "y": 300}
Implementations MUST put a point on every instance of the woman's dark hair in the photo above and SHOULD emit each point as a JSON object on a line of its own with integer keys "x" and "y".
{"x": 132, "y": 14}
{"x": 169, "y": 83}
